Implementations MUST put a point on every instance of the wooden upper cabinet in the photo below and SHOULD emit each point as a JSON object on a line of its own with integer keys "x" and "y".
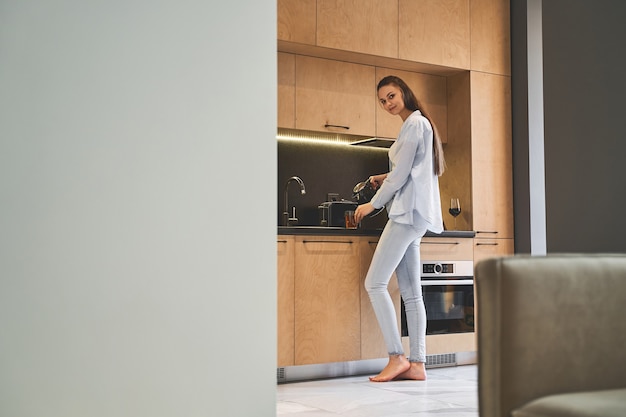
{"x": 492, "y": 171}
{"x": 366, "y": 26}
{"x": 456, "y": 182}
{"x": 491, "y": 36}
{"x": 286, "y": 90}
{"x": 334, "y": 96}
{"x": 435, "y": 32}
{"x": 296, "y": 21}
{"x": 430, "y": 91}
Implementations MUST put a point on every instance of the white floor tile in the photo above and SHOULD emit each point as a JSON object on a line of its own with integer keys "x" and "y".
{"x": 448, "y": 392}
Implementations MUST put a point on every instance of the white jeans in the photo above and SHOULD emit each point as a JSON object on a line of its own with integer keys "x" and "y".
{"x": 399, "y": 250}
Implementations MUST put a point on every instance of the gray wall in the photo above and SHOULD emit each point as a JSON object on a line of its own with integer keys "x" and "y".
{"x": 585, "y": 127}
{"x": 126, "y": 135}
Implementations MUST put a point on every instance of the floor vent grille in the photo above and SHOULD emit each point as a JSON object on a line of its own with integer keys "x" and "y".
{"x": 443, "y": 359}
{"x": 362, "y": 367}
{"x": 280, "y": 375}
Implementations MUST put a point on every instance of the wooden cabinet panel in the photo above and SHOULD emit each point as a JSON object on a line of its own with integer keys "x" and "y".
{"x": 492, "y": 171}
{"x": 490, "y": 248}
{"x": 285, "y": 312}
{"x": 327, "y": 299}
{"x": 456, "y": 182}
{"x": 447, "y": 343}
{"x": 372, "y": 341}
{"x": 491, "y": 36}
{"x": 435, "y": 32}
{"x": 446, "y": 248}
{"x": 430, "y": 91}
{"x": 286, "y": 90}
{"x": 296, "y": 21}
{"x": 366, "y": 26}
{"x": 334, "y": 93}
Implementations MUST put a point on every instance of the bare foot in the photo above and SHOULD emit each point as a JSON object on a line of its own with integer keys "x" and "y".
{"x": 398, "y": 364}
{"x": 416, "y": 372}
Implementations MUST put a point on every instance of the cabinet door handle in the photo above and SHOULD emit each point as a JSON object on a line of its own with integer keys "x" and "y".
{"x": 487, "y": 244}
{"x": 327, "y": 241}
{"x": 484, "y": 231}
{"x": 327, "y": 125}
{"x": 281, "y": 241}
{"x": 440, "y": 243}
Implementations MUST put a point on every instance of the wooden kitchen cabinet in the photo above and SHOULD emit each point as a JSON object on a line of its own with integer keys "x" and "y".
{"x": 489, "y": 248}
{"x": 335, "y": 96}
{"x": 296, "y": 21}
{"x": 446, "y": 248}
{"x": 491, "y": 150}
{"x": 491, "y": 36}
{"x": 327, "y": 299}
{"x": 365, "y": 26}
{"x": 430, "y": 90}
{"x": 435, "y": 32}
{"x": 372, "y": 341}
{"x": 286, "y": 90}
{"x": 456, "y": 182}
{"x": 285, "y": 312}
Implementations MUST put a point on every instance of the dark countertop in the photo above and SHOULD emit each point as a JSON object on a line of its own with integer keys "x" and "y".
{"x": 341, "y": 231}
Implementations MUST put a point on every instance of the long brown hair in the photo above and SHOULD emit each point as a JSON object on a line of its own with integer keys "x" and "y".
{"x": 412, "y": 103}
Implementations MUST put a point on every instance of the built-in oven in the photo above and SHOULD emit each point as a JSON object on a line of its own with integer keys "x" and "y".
{"x": 448, "y": 292}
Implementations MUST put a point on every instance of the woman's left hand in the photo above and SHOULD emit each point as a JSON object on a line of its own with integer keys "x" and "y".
{"x": 362, "y": 211}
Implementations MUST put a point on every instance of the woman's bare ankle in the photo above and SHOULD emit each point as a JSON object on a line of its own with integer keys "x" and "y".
{"x": 398, "y": 364}
{"x": 416, "y": 372}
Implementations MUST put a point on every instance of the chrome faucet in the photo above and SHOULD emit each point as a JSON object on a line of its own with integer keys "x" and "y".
{"x": 287, "y": 219}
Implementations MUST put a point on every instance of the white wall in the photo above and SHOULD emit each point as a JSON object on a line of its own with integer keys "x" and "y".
{"x": 137, "y": 267}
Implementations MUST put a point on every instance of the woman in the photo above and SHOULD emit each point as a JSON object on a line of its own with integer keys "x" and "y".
{"x": 411, "y": 193}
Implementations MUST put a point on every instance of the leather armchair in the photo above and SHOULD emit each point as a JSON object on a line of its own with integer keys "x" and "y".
{"x": 552, "y": 335}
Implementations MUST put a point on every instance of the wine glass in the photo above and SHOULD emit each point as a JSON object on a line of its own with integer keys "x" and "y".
{"x": 455, "y": 209}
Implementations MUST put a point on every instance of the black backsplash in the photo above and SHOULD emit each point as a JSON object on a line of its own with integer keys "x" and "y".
{"x": 326, "y": 168}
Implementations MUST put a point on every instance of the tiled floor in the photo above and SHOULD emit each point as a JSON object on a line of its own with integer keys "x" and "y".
{"x": 447, "y": 392}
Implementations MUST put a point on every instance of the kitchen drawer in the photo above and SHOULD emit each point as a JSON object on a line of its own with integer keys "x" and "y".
{"x": 446, "y": 249}
{"x": 492, "y": 248}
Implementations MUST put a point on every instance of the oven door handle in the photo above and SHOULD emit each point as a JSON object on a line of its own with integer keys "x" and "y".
{"x": 428, "y": 283}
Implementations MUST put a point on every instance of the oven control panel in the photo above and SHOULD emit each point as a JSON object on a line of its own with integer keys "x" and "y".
{"x": 447, "y": 268}
{"x": 437, "y": 268}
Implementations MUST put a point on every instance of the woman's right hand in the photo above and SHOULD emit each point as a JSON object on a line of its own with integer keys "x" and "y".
{"x": 362, "y": 211}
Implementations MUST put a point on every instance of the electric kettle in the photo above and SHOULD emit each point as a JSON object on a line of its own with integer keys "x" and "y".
{"x": 363, "y": 193}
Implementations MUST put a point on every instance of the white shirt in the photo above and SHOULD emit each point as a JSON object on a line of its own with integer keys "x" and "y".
{"x": 411, "y": 189}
